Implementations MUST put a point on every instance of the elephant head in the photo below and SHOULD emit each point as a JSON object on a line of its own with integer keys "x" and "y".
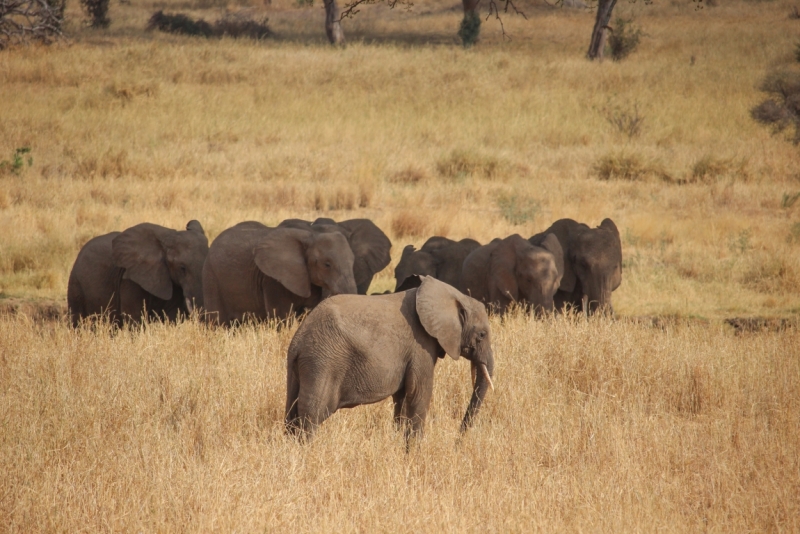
{"x": 592, "y": 263}
{"x": 413, "y": 261}
{"x": 460, "y": 325}
{"x": 369, "y": 244}
{"x": 521, "y": 272}
{"x": 299, "y": 259}
{"x": 596, "y": 257}
{"x": 158, "y": 258}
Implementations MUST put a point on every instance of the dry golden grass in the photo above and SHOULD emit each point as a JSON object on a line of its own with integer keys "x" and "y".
{"x": 405, "y": 127}
{"x": 593, "y": 426}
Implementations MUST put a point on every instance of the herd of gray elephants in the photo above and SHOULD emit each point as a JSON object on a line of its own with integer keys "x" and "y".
{"x": 350, "y": 348}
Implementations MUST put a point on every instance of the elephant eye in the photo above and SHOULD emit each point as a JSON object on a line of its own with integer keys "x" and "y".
{"x": 327, "y": 265}
{"x": 183, "y": 269}
{"x": 481, "y": 335}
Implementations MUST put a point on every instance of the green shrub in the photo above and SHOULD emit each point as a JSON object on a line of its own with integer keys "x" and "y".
{"x": 782, "y": 109}
{"x": 231, "y": 25}
{"x": 624, "y": 39}
{"x": 97, "y": 10}
{"x": 470, "y": 29}
{"x": 518, "y": 209}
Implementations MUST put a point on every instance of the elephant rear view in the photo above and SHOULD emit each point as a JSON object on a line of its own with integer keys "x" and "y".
{"x": 355, "y": 349}
{"x": 512, "y": 270}
{"x": 145, "y": 269}
{"x": 439, "y": 257}
{"x": 592, "y": 264}
{"x": 256, "y": 272}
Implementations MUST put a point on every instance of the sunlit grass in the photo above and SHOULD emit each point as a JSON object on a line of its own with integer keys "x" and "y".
{"x": 593, "y": 425}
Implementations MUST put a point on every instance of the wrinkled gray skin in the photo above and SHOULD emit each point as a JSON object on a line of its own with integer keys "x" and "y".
{"x": 354, "y": 350}
{"x": 371, "y": 247}
{"x": 513, "y": 270}
{"x": 439, "y": 257}
{"x": 256, "y": 272}
{"x": 592, "y": 264}
{"x": 146, "y": 267}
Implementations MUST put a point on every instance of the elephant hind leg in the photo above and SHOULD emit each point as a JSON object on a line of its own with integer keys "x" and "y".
{"x": 292, "y": 398}
{"x": 312, "y": 411}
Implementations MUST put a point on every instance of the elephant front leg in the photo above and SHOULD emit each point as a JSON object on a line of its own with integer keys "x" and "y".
{"x": 333, "y": 27}
{"x": 398, "y": 399}
{"x": 416, "y": 403}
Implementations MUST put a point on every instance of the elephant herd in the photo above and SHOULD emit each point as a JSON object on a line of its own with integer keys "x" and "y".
{"x": 353, "y": 349}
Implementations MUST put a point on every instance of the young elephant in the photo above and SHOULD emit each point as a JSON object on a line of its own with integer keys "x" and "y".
{"x": 256, "y": 272}
{"x": 592, "y": 264}
{"x": 512, "y": 270}
{"x": 145, "y": 268}
{"x": 354, "y": 350}
{"x": 439, "y": 257}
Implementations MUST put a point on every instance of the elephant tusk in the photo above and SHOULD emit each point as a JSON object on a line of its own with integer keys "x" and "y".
{"x": 485, "y": 372}
{"x": 189, "y": 306}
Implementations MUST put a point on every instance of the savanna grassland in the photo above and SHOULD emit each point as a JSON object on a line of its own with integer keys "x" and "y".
{"x": 600, "y": 425}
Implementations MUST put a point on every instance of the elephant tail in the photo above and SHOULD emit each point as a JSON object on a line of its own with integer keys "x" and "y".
{"x": 292, "y": 393}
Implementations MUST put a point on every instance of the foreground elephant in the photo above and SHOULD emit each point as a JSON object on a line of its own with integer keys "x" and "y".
{"x": 512, "y": 270}
{"x": 370, "y": 246}
{"x": 592, "y": 264}
{"x": 145, "y": 268}
{"x": 354, "y": 350}
{"x": 439, "y": 257}
{"x": 256, "y": 272}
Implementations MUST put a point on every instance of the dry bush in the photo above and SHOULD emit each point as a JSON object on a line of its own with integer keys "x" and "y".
{"x": 460, "y": 164}
{"x": 231, "y": 25}
{"x": 409, "y": 176}
{"x": 180, "y": 428}
{"x": 24, "y": 20}
{"x": 622, "y": 166}
{"x": 709, "y": 167}
{"x": 409, "y": 224}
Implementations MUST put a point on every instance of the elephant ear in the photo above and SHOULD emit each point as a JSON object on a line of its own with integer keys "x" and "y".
{"x": 502, "y": 269}
{"x": 195, "y": 226}
{"x": 407, "y": 251}
{"x": 552, "y": 245}
{"x": 441, "y": 313}
{"x": 140, "y": 252}
{"x": 281, "y": 255}
{"x": 370, "y": 248}
{"x": 609, "y": 225}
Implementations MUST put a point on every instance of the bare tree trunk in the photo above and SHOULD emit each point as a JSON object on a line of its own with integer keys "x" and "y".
{"x": 333, "y": 28}
{"x": 598, "y": 42}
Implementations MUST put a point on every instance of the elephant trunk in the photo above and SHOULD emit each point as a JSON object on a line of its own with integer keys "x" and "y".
{"x": 344, "y": 285}
{"x": 482, "y": 382}
{"x": 599, "y": 300}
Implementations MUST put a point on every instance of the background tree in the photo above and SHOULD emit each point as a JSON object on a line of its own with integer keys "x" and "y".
{"x": 600, "y": 31}
{"x": 21, "y": 20}
{"x": 97, "y": 11}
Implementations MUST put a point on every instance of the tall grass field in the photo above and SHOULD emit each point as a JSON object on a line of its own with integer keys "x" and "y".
{"x": 664, "y": 418}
